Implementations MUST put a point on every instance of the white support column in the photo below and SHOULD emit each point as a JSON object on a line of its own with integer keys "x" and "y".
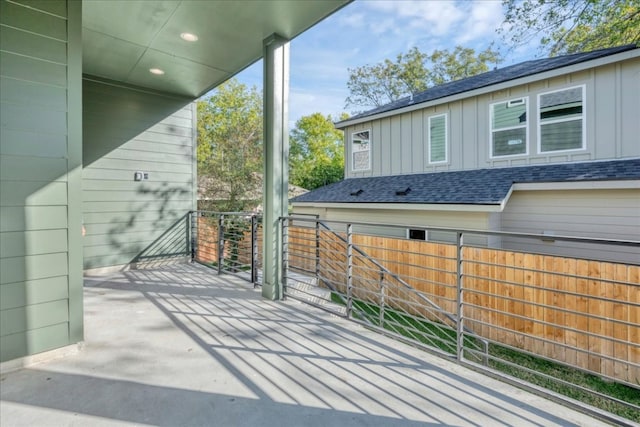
{"x": 276, "y": 160}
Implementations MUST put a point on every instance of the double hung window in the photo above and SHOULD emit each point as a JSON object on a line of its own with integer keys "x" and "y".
{"x": 509, "y": 127}
{"x": 561, "y": 120}
{"x": 361, "y": 150}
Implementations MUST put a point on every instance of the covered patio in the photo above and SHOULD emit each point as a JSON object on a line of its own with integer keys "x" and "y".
{"x": 181, "y": 345}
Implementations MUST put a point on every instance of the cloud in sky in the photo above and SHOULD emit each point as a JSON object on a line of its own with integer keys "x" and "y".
{"x": 367, "y": 32}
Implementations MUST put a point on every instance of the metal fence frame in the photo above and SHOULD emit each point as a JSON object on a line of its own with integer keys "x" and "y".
{"x": 463, "y": 331}
{"x": 236, "y": 245}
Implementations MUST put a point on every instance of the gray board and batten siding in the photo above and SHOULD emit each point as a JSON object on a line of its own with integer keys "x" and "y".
{"x": 127, "y": 130}
{"x": 40, "y": 177}
{"x": 399, "y": 139}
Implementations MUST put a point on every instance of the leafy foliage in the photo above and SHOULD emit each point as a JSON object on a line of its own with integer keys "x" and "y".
{"x": 316, "y": 154}
{"x": 569, "y": 26}
{"x": 230, "y": 146}
{"x": 412, "y": 72}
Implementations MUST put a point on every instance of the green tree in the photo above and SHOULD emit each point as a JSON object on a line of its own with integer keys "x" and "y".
{"x": 230, "y": 147}
{"x": 413, "y": 72}
{"x": 316, "y": 154}
{"x": 569, "y": 26}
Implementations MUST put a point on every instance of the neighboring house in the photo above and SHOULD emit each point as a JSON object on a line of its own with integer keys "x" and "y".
{"x": 549, "y": 147}
{"x": 253, "y": 196}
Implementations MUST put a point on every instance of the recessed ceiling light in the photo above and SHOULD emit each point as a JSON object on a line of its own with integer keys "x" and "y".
{"x": 189, "y": 37}
{"x": 156, "y": 71}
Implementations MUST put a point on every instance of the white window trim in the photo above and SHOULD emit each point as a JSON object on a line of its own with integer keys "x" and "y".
{"x": 526, "y": 126}
{"x": 583, "y": 118}
{"x": 446, "y": 139}
{"x": 353, "y": 169}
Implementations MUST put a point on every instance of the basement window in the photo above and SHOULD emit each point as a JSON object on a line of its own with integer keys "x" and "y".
{"x": 417, "y": 234}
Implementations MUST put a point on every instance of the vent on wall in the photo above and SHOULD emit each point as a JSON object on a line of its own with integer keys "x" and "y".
{"x": 403, "y": 192}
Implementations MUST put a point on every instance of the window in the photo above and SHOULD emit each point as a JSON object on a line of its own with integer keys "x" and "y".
{"x": 361, "y": 150}
{"x": 509, "y": 127}
{"x": 438, "y": 139}
{"x": 561, "y": 116}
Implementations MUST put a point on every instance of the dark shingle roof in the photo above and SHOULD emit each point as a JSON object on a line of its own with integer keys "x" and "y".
{"x": 489, "y": 78}
{"x": 475, "y": 187}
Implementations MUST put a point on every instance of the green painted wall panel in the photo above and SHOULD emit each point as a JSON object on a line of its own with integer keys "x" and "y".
{"x": 127, "y": 176}
{"x": 32, "y": 94}
{"x": 24, "y": 43}
{"x": 55, "y": 7}
{"x": 133, "y": 209}
{"x": 40, "y": 176}
{"x": 32, "y": 193}
{"x": 38, "y": 291}
{"x": 21, "y": 142}
{"x": 139, "y": 186}
{"x": 151, "y": 156}
{"x": 21, "y": 168}
{"x": 20, "y": 218}
{"x": 134, "y": 165}
{"x": 154, "y": 196}
{"x": 35, "y": 341}
{"x": 21, "y": 243}
{"x": 33, "y": 70}
{"x": 34, "y": 316}
{"x": 140, "y": 218}
{"x": 127, "y": 130}
{"x": 98, "y": 227}
{"x": 32, "y": 20}
{"x": 22, "y": 269}
{"x": 36, "y": 119}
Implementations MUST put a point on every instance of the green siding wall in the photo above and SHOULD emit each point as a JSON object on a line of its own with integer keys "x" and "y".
{"x": 40, "y": 273}
{"x": 128, "y": 130}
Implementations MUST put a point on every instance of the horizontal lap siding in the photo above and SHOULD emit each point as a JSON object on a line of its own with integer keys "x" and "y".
{"x": 125, "y": 131}
{"x": 607, "y": 214}
{"x": 34, "y": 194}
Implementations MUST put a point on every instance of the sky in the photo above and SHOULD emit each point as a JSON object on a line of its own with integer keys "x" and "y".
{"x": 369, "y": 31}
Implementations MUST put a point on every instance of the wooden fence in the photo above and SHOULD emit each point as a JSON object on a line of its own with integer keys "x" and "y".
{"x": 208, "y": 245}
{"x": 580, "y": 312}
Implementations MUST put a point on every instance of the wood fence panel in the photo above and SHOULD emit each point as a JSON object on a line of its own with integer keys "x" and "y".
{"x": 581, "y": 312}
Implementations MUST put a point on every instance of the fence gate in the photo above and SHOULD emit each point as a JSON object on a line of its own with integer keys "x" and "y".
{"x": 228, "y": 242}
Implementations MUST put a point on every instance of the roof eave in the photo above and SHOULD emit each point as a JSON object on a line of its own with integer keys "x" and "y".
{"x": 460, "y": 207}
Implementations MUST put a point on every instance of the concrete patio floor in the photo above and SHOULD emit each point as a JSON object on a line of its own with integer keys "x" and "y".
{"x": 181, "y": 346}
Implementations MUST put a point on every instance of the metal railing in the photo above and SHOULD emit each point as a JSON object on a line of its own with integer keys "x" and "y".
{"x": 479, "y": 297}
{"x": 229, "y": 242}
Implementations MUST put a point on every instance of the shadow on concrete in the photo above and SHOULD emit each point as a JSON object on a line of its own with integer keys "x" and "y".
{"x": 202, "y": 349}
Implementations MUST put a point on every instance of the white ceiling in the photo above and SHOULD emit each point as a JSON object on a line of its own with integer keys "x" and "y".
{"x": 123, "y": 39}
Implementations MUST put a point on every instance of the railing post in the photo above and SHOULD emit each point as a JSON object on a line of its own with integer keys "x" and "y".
{"x": 459, "y": 298}
{"x": 317, "y": 251}
{"x": 193, "y": 219}
{"x": 349, "y": 268}
{"x": 254, "y": 250}
{"x": 220, "y": 243}
{"x": 285, "y": 254}
{"x": 382, "y": 299}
